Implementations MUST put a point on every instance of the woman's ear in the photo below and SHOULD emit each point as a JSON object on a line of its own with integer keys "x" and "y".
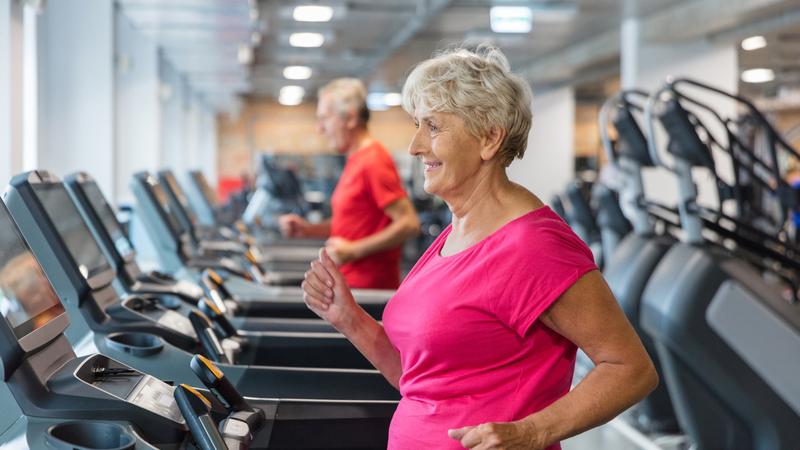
{"x": 492, "y": 141}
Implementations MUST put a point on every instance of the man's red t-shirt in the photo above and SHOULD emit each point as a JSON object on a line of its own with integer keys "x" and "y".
{"x": 369, "y": 183}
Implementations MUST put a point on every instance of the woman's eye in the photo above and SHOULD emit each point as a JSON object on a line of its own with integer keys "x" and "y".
{"x": 433, "y": 128}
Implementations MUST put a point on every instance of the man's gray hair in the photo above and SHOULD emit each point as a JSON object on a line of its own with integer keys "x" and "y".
{"x": 349, "y": 96}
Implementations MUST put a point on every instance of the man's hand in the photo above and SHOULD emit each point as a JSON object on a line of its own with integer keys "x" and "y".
{"x": 520, "y": 435}
{"x": 293, "y": 226}
{"x": 341, "y": 250}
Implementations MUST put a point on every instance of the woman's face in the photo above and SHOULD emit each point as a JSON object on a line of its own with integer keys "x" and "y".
{"x": 450, "y": 153}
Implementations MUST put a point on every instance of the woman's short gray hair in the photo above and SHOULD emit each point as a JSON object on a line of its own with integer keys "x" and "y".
{"x": 478, "y": 86}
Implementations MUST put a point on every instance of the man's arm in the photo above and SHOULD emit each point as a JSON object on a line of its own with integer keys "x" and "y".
{"x": 319, "y": 230}
{"x": 294, "y": 226}
{"x": 404, "y": 225}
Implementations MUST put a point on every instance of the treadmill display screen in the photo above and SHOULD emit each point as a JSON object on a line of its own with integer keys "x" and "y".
{"x": 178, "y": 191}
{"x": 27, "y": 300}
{"x": 208, "y": 193}
{"x": 72, "y": 229}
{"x": 108, "y": 218}
{"x": 161, "y": 197}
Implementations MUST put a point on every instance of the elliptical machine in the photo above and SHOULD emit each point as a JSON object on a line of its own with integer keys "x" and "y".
{"x": 715, "y": 322}
{"x": 636, "y": 256}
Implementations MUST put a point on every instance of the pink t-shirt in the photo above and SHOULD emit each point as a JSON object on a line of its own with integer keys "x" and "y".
{"x": 465, "y": 326}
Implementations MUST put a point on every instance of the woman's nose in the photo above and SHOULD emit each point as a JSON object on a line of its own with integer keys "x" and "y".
{"x": 416, "y": 146}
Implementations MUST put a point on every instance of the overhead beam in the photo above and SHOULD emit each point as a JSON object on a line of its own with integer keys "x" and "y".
{"x": 700, "y": 18}
{"x": 692, "y": 19}
{"x": 427, "y": 11}
{"x": 565, "y": 63}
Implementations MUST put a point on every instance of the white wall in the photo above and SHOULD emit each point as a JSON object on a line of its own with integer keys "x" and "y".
{"x": 208, "y": 145}
{"x": 715, "y": 64}
{"x": 172, "y": 115}
{"x": 138, "y": 109}
{"x": 11, "y": 100}
{"x": 548, "y": 164}
{"x": 76, "y": 74}
{"x": 191, "y": 130}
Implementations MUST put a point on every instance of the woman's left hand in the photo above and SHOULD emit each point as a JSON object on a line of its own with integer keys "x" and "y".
{"x": 519, "y": 435}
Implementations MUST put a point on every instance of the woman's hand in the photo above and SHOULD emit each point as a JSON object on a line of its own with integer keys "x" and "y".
{"x": 520, "y": 435}
{"x": 325, "y": 291}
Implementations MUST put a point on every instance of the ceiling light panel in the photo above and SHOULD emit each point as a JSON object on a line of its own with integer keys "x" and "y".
{"x": 312, "y": 13}
{"x": 291, "y": 95}
{"x": 297, "y": 72}
{"x": 306, "y": 40}
{"x": 759, "y": 75}
{"x": 754, "y": 43}
{"x": 511, "y": 19}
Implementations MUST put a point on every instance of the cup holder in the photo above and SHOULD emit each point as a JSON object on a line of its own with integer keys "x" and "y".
{"x": 137, "y": 344}
{"x": 169, "y": 301}
{"x": 90, "y": 436}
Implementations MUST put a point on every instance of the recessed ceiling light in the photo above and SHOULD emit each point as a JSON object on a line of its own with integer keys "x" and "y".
{"x": 511, "y": 19}
{"x": 760, "y": 75}
{"x": 754, "y": 43}
{"x": 297, "y": 72}
{"x": 312, "y": 13}
{"x": 291, "y": 95}
{"x": 245, "y": 54}
{"x": 307, "y": 40}
{"x": 392, "y": 98}
{"x": 380, "y": 101}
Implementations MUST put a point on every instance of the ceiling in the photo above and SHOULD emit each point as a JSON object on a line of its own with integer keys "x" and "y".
{"x": 363, "y": 36}
{"x": 380, "y": 40}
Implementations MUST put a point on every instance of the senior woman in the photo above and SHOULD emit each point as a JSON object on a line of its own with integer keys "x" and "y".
{"x": 481, "y": 336}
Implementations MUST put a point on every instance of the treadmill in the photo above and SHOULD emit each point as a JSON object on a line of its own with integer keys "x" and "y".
{"x": 107, "y": 231}
{"x": 727, "y": 340}
{"x": 176, "y": 247}
{"x": 155, "y": 334}
{"x": 56, "y": 399}
{"x": 274, "y": 257}
{"x": 243, "y": 297}
{"x": 204, "y": 202}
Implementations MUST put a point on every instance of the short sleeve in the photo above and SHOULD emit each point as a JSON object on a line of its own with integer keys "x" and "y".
{"x": 537, "y": 273}
{"x": 383, "y": 181}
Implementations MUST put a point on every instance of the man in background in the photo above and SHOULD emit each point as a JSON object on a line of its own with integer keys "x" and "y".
{"x": 371, "y": 214}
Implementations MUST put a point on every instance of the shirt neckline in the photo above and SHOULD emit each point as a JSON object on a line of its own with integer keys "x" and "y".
{"x": 482, "y": 242}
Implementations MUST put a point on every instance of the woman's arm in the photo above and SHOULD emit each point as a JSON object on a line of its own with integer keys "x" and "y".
{"x": 588, "y": 315}
{"x": 326, "y": 293}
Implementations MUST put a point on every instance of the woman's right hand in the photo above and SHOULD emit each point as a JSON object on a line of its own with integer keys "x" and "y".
{"x": 325, "y": 292}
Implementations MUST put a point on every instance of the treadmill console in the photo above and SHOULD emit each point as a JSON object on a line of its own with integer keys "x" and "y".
{"x": 73, "y": 230}
{"x": 28, "y": 302}
{"x": 150, "y": 309}
{"x": 130, "y": 385}
{"x": 109, "y": 219}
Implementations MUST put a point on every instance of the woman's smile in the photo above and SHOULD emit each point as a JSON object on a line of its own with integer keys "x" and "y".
{"x": 432, "y": 165}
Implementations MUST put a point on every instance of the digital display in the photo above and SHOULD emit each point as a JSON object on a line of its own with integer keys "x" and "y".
{"x": 161, "y": 197}
{"x": 178, "y": 191}
{"x": 27, "y": 300}
{"x": 98, "y": 201}
{"x": 208, "y": 193}
{"x": 72, "y": 228}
